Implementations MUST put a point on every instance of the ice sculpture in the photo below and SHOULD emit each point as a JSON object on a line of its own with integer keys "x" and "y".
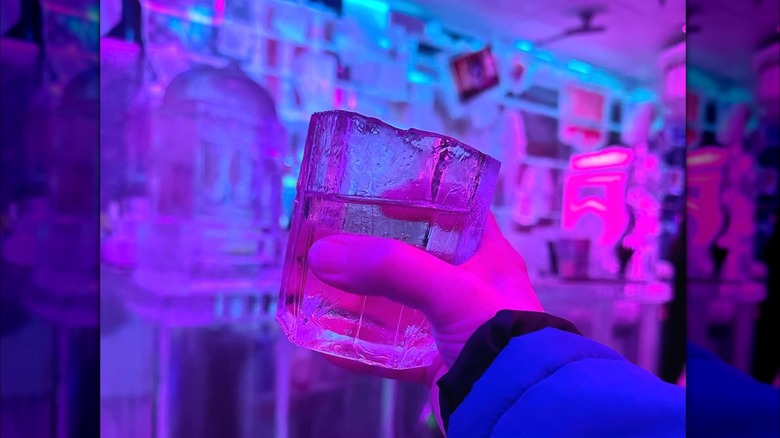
{"x": 214, "y": 183}
{"x": 642, "y": 197}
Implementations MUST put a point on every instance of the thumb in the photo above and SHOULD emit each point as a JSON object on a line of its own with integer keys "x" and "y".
{"x": 365, "y": 265}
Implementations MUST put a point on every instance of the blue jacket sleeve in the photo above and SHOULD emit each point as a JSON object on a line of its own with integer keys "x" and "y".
{"x": 555, "y": 383}
{"x": 725, "y": 402}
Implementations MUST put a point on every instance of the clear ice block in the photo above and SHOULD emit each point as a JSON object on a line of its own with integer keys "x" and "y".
{"x": 362, "y": 176}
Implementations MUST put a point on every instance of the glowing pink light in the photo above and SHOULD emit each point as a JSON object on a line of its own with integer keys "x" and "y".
{"x": 606, "y": 178}
{"x": 606, "y": 169}
{"x": 705, "y": 175}
{"x": 590, "y": 204}
{"x": 338, "y": 97}
{"x": 587, "y": 132}
{"x": 707, "y": 158}
{"x": 573, "y": 133}
{"x": 609, "y": 207}
{"x": 219, "y": 11}
{"x": 609, "y": 157}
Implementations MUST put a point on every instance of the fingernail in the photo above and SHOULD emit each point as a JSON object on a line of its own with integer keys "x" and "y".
{"x": 329, "y": 255}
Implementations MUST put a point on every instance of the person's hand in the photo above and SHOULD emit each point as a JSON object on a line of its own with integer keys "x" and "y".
{"x": 456, "y": 299}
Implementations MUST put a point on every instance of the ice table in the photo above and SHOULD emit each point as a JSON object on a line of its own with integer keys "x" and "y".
{"x": 191, "y": 326}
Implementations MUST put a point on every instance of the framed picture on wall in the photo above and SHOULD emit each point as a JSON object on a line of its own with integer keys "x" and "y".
{"x": 474, "y": 73}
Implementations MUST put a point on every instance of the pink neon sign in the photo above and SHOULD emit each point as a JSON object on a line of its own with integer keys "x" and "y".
{"x": 596, "y": 185}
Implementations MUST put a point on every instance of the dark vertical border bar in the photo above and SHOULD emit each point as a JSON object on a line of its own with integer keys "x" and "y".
{"x": 732, "y": 211}
{"x": 49, "y": 337}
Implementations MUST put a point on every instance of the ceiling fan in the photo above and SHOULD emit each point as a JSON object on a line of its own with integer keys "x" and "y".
{"x": 586, "y": 27}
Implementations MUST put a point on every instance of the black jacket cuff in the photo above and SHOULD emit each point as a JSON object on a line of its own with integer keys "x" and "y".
{"x": 483, "y": 347}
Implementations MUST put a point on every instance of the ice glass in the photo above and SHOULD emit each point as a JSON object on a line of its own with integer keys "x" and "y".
{"x": 362, "y": 176}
